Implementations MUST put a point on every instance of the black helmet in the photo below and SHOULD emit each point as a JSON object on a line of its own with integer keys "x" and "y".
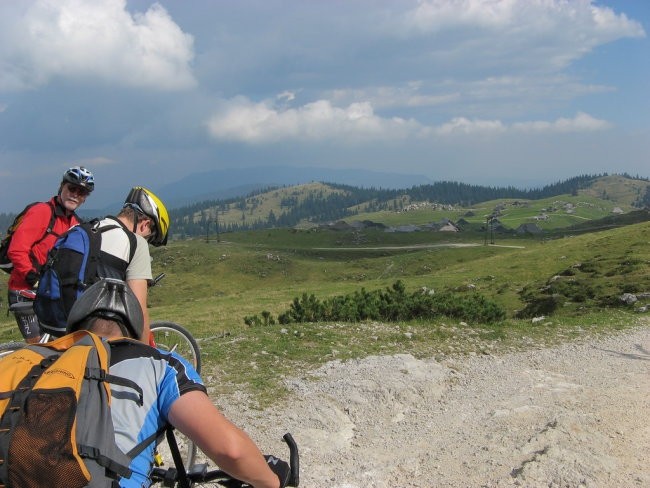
{"x": 110, "y": 299}
{"x": 78, "y": 175}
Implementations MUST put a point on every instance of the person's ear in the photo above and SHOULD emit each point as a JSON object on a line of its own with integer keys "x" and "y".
{"x": 142, "y": 224}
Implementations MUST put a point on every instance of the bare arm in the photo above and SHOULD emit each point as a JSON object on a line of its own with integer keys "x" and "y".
{"x": 227, "y": 445}
{"x": 140, "y": 289}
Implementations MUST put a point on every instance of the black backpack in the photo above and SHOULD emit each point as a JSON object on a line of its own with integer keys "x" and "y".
{"x": 74, "y": 263}
{"x": 5, "y": 263}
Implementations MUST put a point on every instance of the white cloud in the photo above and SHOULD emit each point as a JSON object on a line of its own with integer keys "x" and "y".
{"x": 545, "y": 34}
{"x": 582, "y": 122}
{"x": 407, "y": 95}
{"x": 286, "y": 96}
{"x": 461, "y": 125}
{"x": 245, "y": 121}
{"x": 434, "y": 15}
{"x": 504, "y": 94}
{"x": 523, "y": 17}
{"x": 97, "y": 39}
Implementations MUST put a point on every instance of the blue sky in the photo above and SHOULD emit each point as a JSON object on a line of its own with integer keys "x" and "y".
{"x": 522, "y": 92}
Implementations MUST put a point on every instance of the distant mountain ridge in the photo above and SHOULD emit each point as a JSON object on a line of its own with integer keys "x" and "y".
{"x": 319, "y": 203}
{"x": 232, "y": 182}
{"x": 223, "y": 184}
{"x": 252, "y": 205}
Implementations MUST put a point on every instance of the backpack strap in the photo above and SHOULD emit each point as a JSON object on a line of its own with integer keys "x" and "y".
{"x": 133, "y": 242}
{"x": 140, "y": 446}
{"x": 178, "y": 460}
{"x": 104, "y": 461}
{"x": 49, "y": 230}
{"x": 112, "y": 264}
{"x": 19, "y": 395}
{"x": 94, "y": 232}
{"x": 101, "y": 375}
{"x": 103, "y": 353}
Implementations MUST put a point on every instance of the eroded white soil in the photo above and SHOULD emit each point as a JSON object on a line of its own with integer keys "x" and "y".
{"x": 569, "y": 416}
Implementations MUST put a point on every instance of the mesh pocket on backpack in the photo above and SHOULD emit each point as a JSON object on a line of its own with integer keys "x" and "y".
{"x": 41, "y": 451}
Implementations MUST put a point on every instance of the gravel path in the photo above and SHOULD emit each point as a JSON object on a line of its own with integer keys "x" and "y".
{"x": 569, "y": 416}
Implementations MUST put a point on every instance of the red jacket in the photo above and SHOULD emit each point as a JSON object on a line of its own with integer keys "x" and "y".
{"x": 27, "y": 256}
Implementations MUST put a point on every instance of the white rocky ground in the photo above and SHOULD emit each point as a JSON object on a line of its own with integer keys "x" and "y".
{"x": 569, "y": 416}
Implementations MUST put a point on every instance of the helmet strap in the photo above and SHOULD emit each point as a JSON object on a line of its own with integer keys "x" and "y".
{"x": 126, "y": 332}
{"x": 135, "y": 221}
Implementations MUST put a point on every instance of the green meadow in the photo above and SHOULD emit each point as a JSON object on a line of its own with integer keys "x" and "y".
{"x": 210, "y": 287}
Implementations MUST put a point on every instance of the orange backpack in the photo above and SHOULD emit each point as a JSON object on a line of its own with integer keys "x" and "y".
{"x": 55, "y": 420}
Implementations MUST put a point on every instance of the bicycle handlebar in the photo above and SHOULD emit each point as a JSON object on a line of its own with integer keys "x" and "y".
{"x": 154, "y": 281}
{"x": 199, "y": 473}
{"x": 294, "y": 461}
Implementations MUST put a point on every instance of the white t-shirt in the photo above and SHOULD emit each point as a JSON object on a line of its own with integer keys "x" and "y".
{"x": 116, "y": 242}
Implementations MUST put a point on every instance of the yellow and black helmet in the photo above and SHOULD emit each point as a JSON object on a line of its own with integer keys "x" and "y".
{"x": 145, "y": 202}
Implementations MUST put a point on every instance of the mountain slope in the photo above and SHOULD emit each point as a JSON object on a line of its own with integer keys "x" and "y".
{"x": 559, "y": 205}
{"x": 617, "y": 188}
{"x": 220, "y": 184}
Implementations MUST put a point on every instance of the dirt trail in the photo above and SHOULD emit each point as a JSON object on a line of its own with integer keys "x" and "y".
{"x": 569, "y": 416}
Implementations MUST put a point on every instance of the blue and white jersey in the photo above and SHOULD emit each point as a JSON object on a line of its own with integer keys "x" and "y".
{"x": 163, "y": 377}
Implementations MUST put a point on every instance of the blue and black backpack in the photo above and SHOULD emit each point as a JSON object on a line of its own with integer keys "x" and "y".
{"x": 74, "y": 263}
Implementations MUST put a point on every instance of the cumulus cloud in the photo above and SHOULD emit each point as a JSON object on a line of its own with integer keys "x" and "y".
{"x": 582, "y": 122}
{"x": 461, "y": 125}
{"x": 591, "y": 22}
{"x": 241, "y": 120}
{"x": 98, "y": 39}
{"x": 551, "y": 33}
{"x": 244, "y": 121}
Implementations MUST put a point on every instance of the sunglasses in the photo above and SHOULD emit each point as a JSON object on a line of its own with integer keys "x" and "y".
{"x": 142, "y": 215}
{"x": 78, "y": 190}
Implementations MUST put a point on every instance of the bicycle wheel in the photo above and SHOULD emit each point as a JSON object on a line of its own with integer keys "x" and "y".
{"x": 172, "y": 337}
{"x": 10, "y": 347}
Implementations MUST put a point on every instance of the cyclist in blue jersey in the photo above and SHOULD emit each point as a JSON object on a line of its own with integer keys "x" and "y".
{"x": 173, "y": 392}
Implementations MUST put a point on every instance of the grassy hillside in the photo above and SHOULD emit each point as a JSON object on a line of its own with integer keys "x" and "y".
{"x": 549, "y": 213}
{"x": 618, "y": 189}
{"x": 575, "y": 282}
{"x": 257, "y": 208}
{"x": 266, "y": 269}
{"x": 306, "y": 206}
{"x": 212, "y": 287}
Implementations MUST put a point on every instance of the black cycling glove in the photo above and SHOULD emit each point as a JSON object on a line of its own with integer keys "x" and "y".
{"x": 280, "y": 468}
{"x": 32, "y": 278}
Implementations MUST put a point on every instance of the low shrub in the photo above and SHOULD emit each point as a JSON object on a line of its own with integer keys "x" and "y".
{"x": 392, "y": 304}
